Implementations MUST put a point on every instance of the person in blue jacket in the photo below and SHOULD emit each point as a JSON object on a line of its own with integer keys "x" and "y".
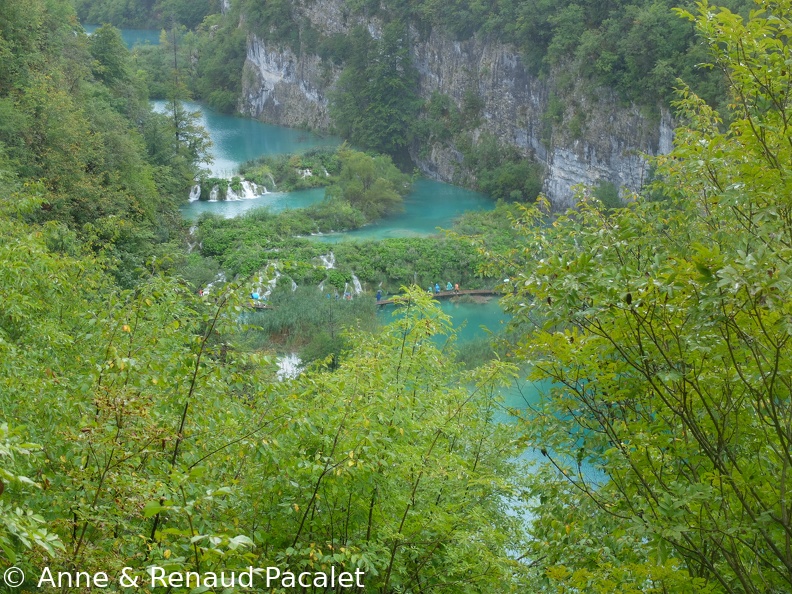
{"x": 379, "y": 294}
{"x": 437, "y": 288}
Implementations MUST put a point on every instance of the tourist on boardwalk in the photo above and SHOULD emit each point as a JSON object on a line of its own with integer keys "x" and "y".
{"x": 379, "y": 295}
{"x": 456, "y": 288}
{"x": 449, "y": 286}
{"x": 437, "y": 288}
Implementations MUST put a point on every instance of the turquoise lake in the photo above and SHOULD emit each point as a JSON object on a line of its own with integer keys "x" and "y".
{"x": 132, "y": 37}
{"x": 237, "y": 139}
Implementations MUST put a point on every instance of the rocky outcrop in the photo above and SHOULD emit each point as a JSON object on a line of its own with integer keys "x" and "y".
{"x": 281, "y": 88}
{"x": 592, "y": 140}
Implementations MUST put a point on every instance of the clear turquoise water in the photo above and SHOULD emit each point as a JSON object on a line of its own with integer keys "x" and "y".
{"x": 275, "y": 201}
{"x": 430, "y": 205}
{"x": 237, "y": 139}
{"x": 470, "y": 320}
{"x": 132, "y": 37}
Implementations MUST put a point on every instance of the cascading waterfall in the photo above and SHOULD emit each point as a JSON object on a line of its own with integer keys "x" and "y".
{"x": 195, "y": 193}
{"x": 191, "y": 244}
{"x": 271, "y": 284}
{"x": 328, "y": 261}
{"x": 249, "y": 190}
{"x": 288, "y": 367}
{"x": 356, "y": 284}
{"x": 294, "y": 286}
{"x": 220, "y": 278}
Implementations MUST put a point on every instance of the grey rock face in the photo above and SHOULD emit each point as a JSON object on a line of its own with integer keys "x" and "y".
{"x": 606, "y": 144}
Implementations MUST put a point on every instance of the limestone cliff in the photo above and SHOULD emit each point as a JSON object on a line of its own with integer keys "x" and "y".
{"x": 590, "y": 140}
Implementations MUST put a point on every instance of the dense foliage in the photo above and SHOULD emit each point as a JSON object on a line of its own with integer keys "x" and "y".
{"x": 74, "y": 117}
{"x": 252, "y": 242}
{"x": 162, "y": 442}
{"x": 311, "y": 321}
{"x": 138, "y": 428}
{"x": 665, "y": 329}
{"x": 370, "y": 184}
{"x": 145, "y": 14}
{"x": 375, "y": 101}
{"x": 207, "y": 61}
{"x": 314, "y": 168}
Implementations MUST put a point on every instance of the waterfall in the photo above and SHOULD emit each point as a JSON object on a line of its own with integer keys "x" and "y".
{"x": 272, "y": 181}
{"x": 357, "y": 285}
{"x": 321, "y": 287}
{"x": 231, "y": 195}
{"x": 288, "y": 367}
{"x": 271, "y": 284}
{"x": 220, "y": 278}
{"x": 195, "y": 193}
{"x": 328, "y": 261}
{"x": 214, "y": 193}
{"x": 249, "y": 190}
{"x": 191, "y": 245}
{"x": 294, "y": 286}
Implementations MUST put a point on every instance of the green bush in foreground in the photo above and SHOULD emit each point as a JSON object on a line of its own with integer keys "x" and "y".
{"x": 163, "y": 443}
{"x": 667, "y": 327}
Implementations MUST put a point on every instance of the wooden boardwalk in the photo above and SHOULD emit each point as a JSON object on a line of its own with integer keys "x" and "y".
{"x": 449, "y": 294}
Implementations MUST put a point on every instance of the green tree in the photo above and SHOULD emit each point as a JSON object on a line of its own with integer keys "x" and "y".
{"x": 665, "y": 329}
{"x": 373, "y": 185}
{"x": 111, "y": 55}
{"x": 375, "y": 100}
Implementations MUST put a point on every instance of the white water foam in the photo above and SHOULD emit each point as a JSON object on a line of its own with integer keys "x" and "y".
{"x": 288, "y": 367}
{"x": 328, "y": 261}
{"x": 195, "y": 193}
{"x": 357, "y": 285}
{"x": 271, "y": 284}
{"x": 249, "y": 190}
